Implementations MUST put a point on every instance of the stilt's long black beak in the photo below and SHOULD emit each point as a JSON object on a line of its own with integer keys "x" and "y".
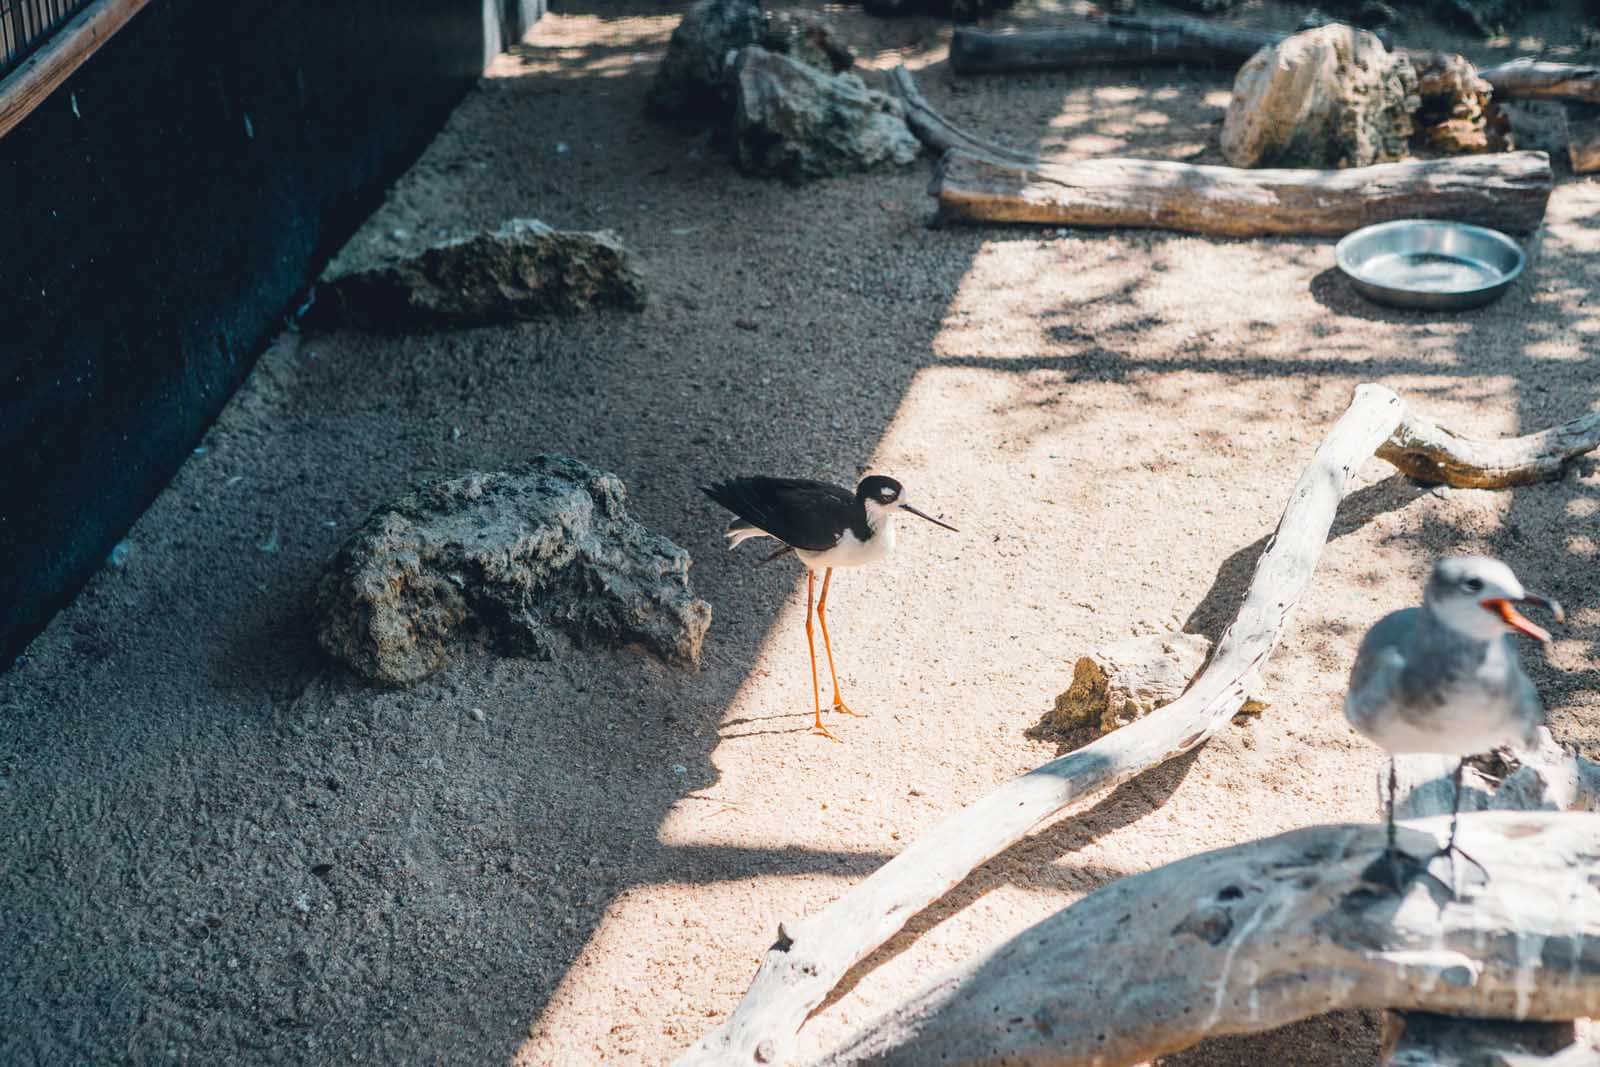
{"x": 930, "y": 518}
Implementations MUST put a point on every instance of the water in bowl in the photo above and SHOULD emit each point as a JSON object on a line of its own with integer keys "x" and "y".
{"x": 1429, "y": 272}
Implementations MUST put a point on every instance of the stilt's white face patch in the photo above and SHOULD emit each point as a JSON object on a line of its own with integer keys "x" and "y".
{"x": 878, "y": 512}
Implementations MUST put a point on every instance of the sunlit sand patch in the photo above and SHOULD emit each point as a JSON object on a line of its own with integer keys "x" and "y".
{"x": 566, "y": 46}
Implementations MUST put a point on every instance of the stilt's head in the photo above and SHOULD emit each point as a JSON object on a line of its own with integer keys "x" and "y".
{"x": 1477, "y": 596}
{"x": 884, "y": 497}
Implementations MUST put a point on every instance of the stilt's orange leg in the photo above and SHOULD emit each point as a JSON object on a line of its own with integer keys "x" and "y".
{"x": 822, "y": 617}
{"x": 811, "y": 646}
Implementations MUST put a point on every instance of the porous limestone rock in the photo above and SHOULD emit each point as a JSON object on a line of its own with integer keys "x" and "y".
{"x": 1333, "y": 96}
{"x": 522, "y": 270}
{"x": 1451, "y": 117}
{"x": 1128, "y": 680}
{"x": 516, "y": 555}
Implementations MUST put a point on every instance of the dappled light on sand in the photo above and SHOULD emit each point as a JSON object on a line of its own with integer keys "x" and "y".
{"x": 1113, "y": 420}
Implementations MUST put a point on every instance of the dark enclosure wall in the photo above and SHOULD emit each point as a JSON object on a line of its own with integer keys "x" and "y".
{"x": 159, "y": 216}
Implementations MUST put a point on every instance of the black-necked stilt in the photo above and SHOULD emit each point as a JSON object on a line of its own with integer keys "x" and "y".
{"x": 1444, "y": 679}
{"x": 824, "y": 525}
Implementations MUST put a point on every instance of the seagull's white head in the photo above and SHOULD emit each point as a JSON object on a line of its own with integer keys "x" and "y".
{"x": 1477, "y": 596}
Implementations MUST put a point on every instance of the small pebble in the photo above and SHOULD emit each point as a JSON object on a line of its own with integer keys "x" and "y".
{"x": 476, "y": 714}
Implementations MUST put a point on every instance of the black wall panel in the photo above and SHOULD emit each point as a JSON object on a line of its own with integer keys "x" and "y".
{"x": 159, "y": 215}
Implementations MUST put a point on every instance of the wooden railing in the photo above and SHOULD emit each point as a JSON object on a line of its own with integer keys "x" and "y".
{"x": 42, "y": 42}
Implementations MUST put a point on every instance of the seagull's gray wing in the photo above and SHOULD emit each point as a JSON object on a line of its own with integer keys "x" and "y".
{"x": 1375, "y": 678}
{"x": 1530, "y": 709}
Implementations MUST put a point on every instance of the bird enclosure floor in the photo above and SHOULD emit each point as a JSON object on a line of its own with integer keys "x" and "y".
{"x": 221, "y": 849}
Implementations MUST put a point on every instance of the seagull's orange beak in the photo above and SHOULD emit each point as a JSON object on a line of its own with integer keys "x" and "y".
{"x": 1517, "y": 621}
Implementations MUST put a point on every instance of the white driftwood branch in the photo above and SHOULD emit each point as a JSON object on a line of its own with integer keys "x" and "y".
{"x": 1263, "y": 934}
{"x": 811, "y": 955}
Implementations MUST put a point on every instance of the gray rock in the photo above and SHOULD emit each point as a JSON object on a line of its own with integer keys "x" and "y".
{"x": 791, "y": 121}
{"x": 1128, "y": 680}
{"x": 523, "y": 270}
{"x": 1327, "y": 97}
{"x": 809, "y": 38}
{"x": 517, "y": 554}
{"x": 691, "y": 84}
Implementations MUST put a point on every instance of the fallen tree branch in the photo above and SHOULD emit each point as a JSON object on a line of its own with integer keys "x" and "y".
{"x": 1531, "y": 79}
{"x": 1266, "y": 933}
{"x": 1506, "y": 191}
{"x": 1106, "y": 42}
{"x": 1428, "y": 452}
{"x": 938, "y": 132}
{"x": 813, "y": 954}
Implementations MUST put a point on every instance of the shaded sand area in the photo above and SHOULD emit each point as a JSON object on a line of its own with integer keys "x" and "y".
{"x": 220, "y": 848}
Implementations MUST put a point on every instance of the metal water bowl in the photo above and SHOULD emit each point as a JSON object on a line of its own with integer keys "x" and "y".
{"x": 1430, "y": 263}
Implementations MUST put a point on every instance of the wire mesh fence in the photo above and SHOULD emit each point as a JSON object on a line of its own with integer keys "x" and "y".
{"x": 27, "y": 24}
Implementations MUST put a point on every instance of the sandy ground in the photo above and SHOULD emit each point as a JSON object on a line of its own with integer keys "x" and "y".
{"x": 220, "y": 848}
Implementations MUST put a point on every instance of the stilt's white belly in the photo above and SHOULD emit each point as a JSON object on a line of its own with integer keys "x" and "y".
{"x": 851, "y": 552}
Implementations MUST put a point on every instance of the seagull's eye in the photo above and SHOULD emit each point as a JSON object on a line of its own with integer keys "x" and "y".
{"x": 1473, "y": 585}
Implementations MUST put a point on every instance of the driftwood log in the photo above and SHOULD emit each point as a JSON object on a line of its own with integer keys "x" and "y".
{"x": 980, "y": 181}
{"x": 1109, "y": 42}
{"x": 1506, "y": 191}
{"x": 1263, "y": 934}
{"x": 1532, "y": 79}
{"x": 1545, "y": 778}
{"x": 811, "y": 955}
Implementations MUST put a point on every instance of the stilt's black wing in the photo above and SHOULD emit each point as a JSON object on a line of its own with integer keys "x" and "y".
{"x": 804, "y": 514}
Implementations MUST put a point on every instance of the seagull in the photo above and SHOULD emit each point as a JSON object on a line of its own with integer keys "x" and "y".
{"x": 826, "y": 526}
{"x": 1444, "y": 679}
